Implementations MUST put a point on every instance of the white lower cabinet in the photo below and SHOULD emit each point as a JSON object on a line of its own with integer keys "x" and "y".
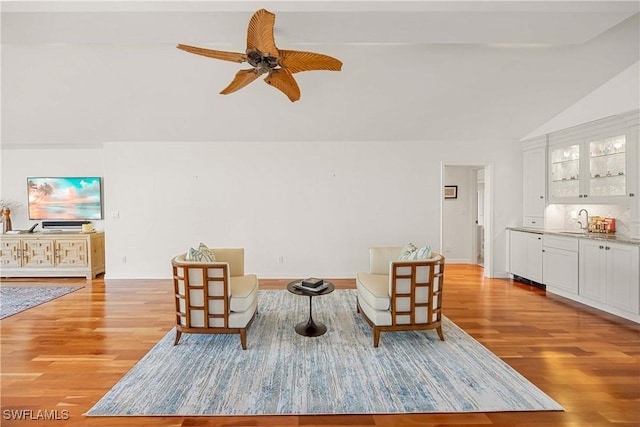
{"x": 560, "y": 265}
{"x": 590, "y": 270}
{"x": 525, "y": 255}
{"x": 610, "y": 277}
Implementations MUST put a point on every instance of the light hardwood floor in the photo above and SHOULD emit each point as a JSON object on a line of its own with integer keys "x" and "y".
{"x": 67, "y": 353}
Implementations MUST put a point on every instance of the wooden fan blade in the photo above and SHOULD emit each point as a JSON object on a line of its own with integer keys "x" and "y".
{"x": 283, "y": 80}
{"x": 216, "y": 54}
{"x": 242, "y": 78}
{"x": 260, "y": 33}
{"x": 296, "y": 61}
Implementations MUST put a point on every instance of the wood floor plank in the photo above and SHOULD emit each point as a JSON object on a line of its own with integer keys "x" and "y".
{"x": 67, "y": 353}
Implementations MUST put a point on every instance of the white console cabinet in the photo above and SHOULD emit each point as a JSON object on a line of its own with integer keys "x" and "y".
{"x": 52, "y": 255}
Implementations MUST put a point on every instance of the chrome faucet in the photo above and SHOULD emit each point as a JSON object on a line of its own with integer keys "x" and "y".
{"x": 586, "y": 224}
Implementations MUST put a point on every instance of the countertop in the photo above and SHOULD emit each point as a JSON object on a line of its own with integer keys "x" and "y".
{"x": 618, "y": 238}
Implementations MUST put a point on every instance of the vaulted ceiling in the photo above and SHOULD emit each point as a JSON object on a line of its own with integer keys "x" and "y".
{"x": 92, "y": 72}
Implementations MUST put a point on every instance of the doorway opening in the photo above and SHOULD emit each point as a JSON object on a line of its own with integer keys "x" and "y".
{"x": 466, "y": 219}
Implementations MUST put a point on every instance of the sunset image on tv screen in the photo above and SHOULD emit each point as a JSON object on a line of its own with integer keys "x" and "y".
{"x": 65, "y": 198}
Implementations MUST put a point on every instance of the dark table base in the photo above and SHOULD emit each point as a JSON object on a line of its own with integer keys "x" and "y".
{"x": 310, "y": 328}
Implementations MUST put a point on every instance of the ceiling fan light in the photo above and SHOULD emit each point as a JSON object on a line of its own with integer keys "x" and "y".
{"x": 262, "y": 67}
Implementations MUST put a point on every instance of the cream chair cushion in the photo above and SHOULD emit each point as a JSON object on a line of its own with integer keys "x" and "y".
{"x": 244, "y": 292}
{"x": 374, "y": 290}
{"x": 379, "y": 259}
{"x": 234, "y": 257}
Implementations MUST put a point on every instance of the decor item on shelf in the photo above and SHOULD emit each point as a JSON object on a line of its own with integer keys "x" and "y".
{"x": 316, "y": 289}
{"x": 598, "y": 224}
{"x": 6, "y": 220}
{"x": 265, "y": 58}
{"x": 312, "y": 282}
{"x": 5, "y": 213}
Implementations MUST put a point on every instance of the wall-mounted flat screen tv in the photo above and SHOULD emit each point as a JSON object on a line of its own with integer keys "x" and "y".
{"x": 65, "y": 198}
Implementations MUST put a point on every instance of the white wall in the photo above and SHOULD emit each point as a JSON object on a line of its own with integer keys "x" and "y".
{"x": 319, "y": 205}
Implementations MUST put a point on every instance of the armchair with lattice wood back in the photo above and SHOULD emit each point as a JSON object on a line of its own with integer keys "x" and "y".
{"x": 214, "y": 297}
{"x": 400, "y": 295}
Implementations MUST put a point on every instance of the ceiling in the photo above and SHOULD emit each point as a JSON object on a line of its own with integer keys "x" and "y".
{"x": 93, "y": 72}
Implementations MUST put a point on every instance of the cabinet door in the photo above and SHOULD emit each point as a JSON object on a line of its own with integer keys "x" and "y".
{"x": 10, "y": 253}
{"x": 607, "y": 168}
{"x": 534, "y": 174}
{"x": 518, "y": 253}
{"x": 37, "y": 253}
{"x": 525, "y": 255}
{"x": 534, "y": 257}
{"x": 560, "y": 269}
{"x": 71, "y": 252}
{"x": 592, "y": 270}
{"x": 564, "y": 173}
{"x": 623, "y": 278}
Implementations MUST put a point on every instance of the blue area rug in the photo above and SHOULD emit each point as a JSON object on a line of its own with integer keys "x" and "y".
{"x": 14, "y": 299}
{"x": 340, "y": 372}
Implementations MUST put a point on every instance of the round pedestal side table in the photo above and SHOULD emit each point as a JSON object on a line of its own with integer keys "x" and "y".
{"x": 310, "y": 328}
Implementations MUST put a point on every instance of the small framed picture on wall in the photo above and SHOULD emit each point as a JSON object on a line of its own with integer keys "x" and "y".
{"x": 450, "y": 191}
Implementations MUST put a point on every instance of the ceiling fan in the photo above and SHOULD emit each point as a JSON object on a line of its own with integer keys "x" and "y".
{"x": 265, "y": 58}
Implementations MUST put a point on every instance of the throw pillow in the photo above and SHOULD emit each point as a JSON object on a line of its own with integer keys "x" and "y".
{"x": 423, "y": 253}
{"x": 200, "y": 254}
{"x": 407, "y": 251}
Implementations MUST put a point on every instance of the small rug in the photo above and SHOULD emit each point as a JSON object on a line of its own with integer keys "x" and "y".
{"x": 14, "y": 299}
{"x": 340, "y": 372}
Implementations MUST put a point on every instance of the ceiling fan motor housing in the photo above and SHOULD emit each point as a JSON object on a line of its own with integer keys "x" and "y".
{"x": 262, "y": 62}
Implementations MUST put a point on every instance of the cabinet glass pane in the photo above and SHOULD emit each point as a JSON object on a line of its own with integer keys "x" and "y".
{"x": 607, "y": 166}
{"x": 565, "y": 171}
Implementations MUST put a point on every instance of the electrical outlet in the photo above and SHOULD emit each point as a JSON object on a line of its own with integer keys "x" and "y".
{"x": 124, "y": 259}
{"x": 280, "y": 259}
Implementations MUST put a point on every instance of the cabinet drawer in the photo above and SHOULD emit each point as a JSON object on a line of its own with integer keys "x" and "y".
{"x": 558, "y": 242}
{"x": 533, "y": 222}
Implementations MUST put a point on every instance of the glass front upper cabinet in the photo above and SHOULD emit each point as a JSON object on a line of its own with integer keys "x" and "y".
{"x": 594, "y": 169}
{"x": 607, "y": 167}
{"x": 565, "y": 172}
